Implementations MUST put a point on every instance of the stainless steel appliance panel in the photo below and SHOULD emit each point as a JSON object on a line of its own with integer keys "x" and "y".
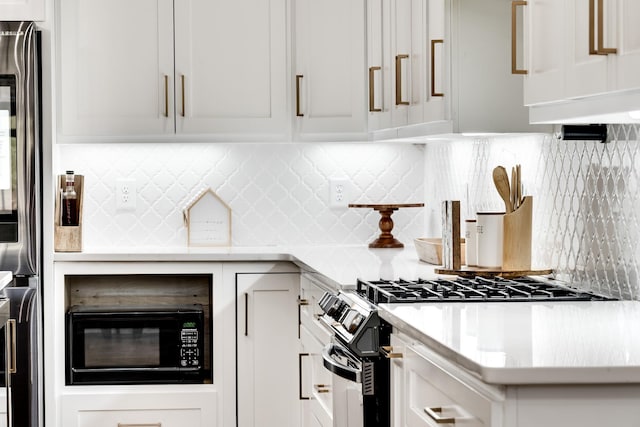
{"x": 20, "y": 204}
{"x": 21, "y": 219}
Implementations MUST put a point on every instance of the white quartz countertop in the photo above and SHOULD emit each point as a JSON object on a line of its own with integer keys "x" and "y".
{"x": 5, "y": 278}
{"x": 530, "y": 343}
{"x": 340, "y": 265}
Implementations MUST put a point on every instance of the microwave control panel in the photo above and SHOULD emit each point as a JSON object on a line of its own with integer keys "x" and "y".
{"x": 189, "y": 348}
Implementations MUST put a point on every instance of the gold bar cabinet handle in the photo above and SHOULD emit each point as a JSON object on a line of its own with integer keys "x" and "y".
{"x": 11, "y": 345}
{"x": 182, "y": 84}
{"x": 399, "y": 59}
{"x": 602, "y": 50}
{"x": 140, "y": 425}
{"x": 166, "y": 95}
{"x": 514, "y": 31}
{"x": 372, "y": 107}
{"x": 433, "y": 67}
{"x": 436, "y": 415}
{"x": 298, "y": 79}
{"x": 593, "y": 49}
{"x": 592, "y": 28}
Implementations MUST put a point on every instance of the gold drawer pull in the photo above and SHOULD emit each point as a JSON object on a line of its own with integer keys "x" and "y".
{"x": 321, "y": 388}
{"x": 387, "y": 352}
{"x": 436, "y": 415}
{"x": 140, "y": 425}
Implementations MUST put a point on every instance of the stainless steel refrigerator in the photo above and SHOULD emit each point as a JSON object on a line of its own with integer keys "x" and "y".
{"x": 21, "y": 220}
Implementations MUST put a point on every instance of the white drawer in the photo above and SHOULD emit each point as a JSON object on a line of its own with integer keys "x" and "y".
{"x": 434, "y": 396}
{"x": 154, "y": 418}
{"x": 318, "y": 386}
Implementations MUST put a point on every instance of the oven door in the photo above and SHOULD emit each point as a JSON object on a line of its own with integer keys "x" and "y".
{"x": 348, "y": 409}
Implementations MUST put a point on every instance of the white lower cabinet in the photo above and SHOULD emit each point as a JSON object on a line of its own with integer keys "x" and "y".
{"x": 316, "y": 387}
{"x": 316, "y": 382}
{"x": 105, "y": 407}
{"x": 267, "y": 346}
{"x": 429, "y": 390}
{"x": 427, "y": 393}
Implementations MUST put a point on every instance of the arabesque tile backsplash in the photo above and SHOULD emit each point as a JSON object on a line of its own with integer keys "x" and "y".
{"x": 586, "y": 220}
{"x": 586, "y": 194}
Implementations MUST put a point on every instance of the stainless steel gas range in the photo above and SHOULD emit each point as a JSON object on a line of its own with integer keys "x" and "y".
{"x": 360, "y": 352}
{"x": 361, "y": 372}
{"x": 476, "y": 289}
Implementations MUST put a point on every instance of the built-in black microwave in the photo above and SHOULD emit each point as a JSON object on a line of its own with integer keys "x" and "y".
{"x": 128, "y": 345}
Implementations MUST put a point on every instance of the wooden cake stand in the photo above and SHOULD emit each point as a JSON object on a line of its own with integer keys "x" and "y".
{"x": 386, "y": 239}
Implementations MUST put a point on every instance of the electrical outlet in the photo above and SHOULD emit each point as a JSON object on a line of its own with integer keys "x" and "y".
{"x": 339, "y": 193}
{"x": 125, "y": 195}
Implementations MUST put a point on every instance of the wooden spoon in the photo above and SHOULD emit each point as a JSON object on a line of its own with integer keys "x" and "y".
{"x": 501, "y": 180}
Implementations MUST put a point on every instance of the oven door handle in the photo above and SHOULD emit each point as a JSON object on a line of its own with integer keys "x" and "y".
{"x": 347, "y": 372}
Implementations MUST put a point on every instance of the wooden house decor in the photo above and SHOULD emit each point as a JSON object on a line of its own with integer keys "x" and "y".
{"x": 208, "y": 220}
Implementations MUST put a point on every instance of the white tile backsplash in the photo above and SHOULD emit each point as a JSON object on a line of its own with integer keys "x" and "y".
{"x": 586, "y": 199}
{"x": 278, "y": 193}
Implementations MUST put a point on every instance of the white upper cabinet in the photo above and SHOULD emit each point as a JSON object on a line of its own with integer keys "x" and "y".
{"x": 443, "y": 66}
{"x": 627, "y": 60}
{"x": 231, "y": 68}
{"x": 119, "y": 77}
{"x": 329, "y": 79}
{"x": 407, "y": 63}
{"x": 116, "y": 69}
{"x": 583, "y": 58}
{"x": 546, "y": 51}
{"x": 22, "y": 10}
{"x": 487, "y": 95}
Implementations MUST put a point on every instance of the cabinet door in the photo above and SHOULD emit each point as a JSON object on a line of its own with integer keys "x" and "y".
{"x": 329, "y": 85}
{"x": 587, "y": 72}
{"x": 435, "y": 82}
{"x": 379, "y": 63}
{"x": 627, "y": 58}
{"x": 545, "y": 39}
{"x": 22, "y": 10}
{"x": 116, "y": 67}
{"x": 267, "y": 343}
{"x": 419, "y": 61}
{"x": 405, "y": 64}
{"x": 231, "y": 68}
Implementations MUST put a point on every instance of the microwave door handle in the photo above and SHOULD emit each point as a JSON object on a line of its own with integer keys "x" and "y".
{"x": 343, "y": 371}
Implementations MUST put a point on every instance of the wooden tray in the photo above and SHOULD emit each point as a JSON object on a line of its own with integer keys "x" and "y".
{"x": 490, "y": 272}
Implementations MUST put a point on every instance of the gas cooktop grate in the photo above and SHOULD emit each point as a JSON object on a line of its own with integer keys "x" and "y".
{"x": 478, "y": 289}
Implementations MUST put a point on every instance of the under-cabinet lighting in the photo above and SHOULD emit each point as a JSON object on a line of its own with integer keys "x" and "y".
{"x": 635, "y": 115}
